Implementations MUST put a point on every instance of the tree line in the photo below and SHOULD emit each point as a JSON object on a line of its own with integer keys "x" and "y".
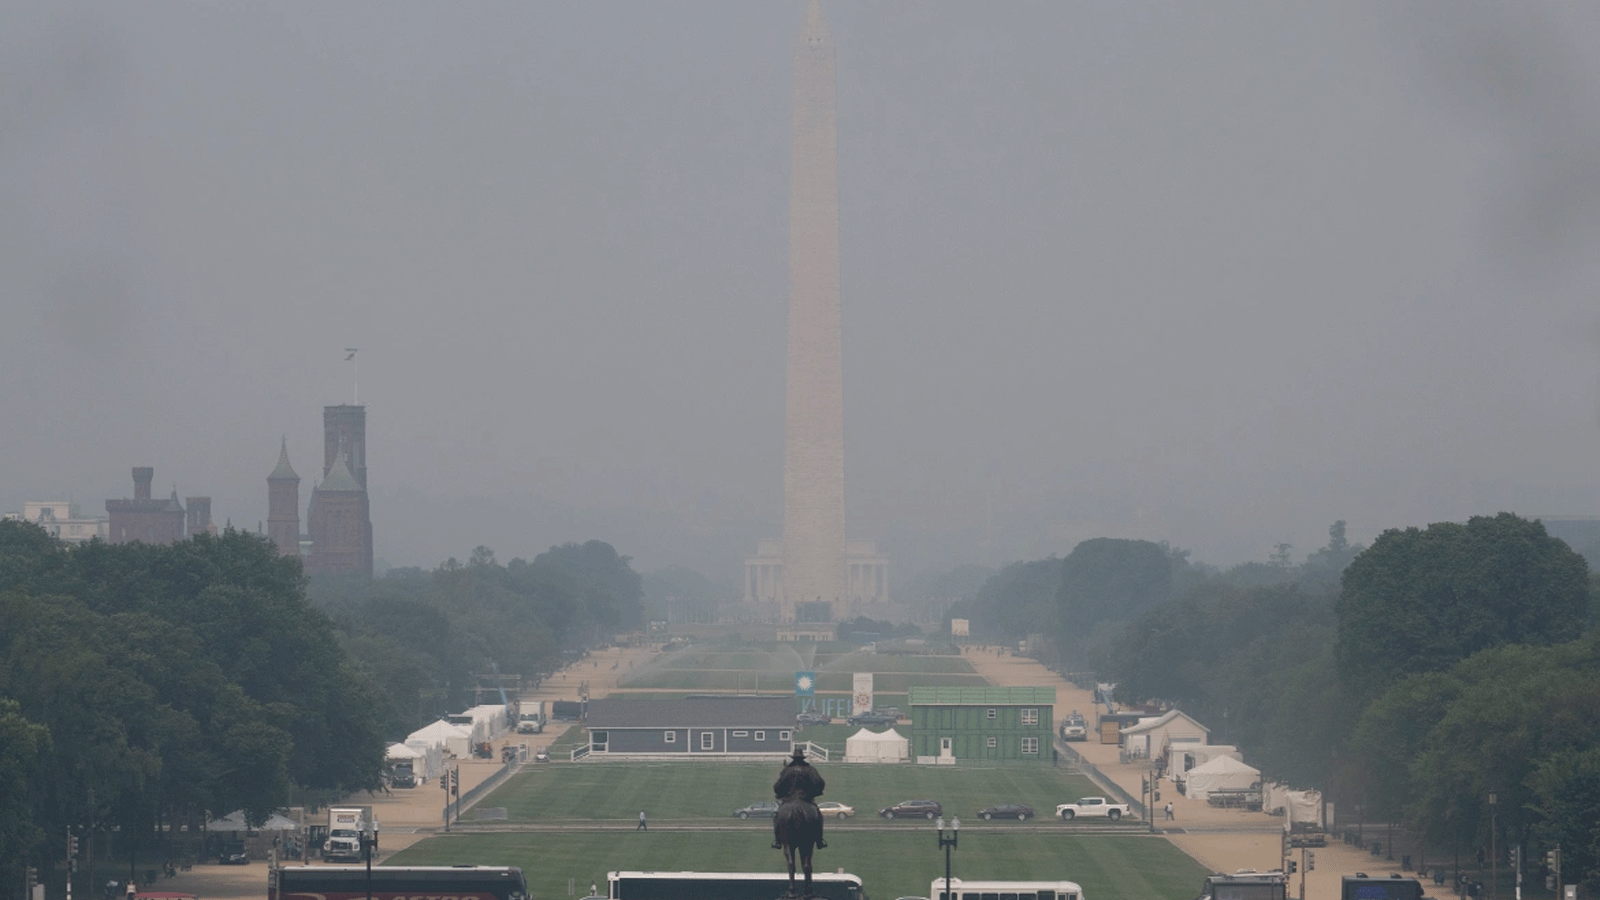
{"x": 147, "y": 687}
{"x": 1414, "y": 678}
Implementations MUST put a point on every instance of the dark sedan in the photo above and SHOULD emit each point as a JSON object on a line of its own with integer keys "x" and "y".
{"x": 811, "y": 718}
{"x": 912, "y": 809}
{"x": 1007, "y": 811}
{"x": 760, "y": 809}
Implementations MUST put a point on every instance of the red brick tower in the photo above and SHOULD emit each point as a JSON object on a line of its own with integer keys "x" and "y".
{"x": 341, "y": 525}
{"x": 199, "y": 509}
{"x": 283, "y": 505}
{"x": 344, "y": 428}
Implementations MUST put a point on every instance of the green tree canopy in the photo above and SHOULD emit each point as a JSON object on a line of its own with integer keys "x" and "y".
{"x": 1419, "y": 600}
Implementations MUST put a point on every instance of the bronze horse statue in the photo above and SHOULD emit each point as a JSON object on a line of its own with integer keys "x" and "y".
{"x": 799, "y": 830}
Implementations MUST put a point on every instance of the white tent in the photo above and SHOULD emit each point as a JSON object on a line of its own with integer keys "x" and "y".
{"x": 865, "y": 746}
{"x": 234, "y": 821}
{"x": 401, "y": 751}
{"x": 1221, "y": 774}
{"x": 452, "y": 738}
{"x": 1183, "y": 757}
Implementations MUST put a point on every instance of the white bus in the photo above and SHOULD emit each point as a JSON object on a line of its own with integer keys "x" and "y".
{"x": 726, "y": 885}
{"x": 1005, "y": 890}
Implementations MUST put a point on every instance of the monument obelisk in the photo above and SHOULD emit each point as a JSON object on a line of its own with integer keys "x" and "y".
{"x": 814, "y": 567}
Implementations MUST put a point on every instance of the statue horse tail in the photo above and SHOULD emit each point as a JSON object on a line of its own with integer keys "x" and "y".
{"x": 799, "y": 824}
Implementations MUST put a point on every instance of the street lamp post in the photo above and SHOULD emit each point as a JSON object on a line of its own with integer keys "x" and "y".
{"x": 1494, "y": 859}
{"x": 947, "y": 844}
{"x": 369, "y": 841}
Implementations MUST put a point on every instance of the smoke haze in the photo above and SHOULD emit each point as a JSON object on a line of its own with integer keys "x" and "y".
{"x": 1212, "y": 275}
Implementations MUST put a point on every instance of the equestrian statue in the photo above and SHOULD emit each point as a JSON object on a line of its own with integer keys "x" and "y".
{"x": 797, "y": 828}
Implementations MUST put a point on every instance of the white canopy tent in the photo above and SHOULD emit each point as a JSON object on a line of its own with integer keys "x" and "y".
{"x": 865, "y": 746}
{"x": 1183, "y": 757}
{"x": 1223, "y": 773}
{"x": 234, "y": 821}
{"x": 401, "y": 751}
{"x": 453, "y": 739}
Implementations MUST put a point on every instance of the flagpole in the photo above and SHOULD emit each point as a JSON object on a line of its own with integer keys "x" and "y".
{"x": 355, "y": 381}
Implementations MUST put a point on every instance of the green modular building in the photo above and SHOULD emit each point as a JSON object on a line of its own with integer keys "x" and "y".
{"x": 1010, "y": 724}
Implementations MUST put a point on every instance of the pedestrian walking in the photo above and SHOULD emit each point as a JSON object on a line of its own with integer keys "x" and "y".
{"x": 1170, "y": 816}
{"x": 594, "y": 889}
{"x": 642, "y": 825}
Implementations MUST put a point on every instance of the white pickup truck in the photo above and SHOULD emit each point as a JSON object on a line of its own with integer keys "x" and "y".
{"x": 1091, "y": 807}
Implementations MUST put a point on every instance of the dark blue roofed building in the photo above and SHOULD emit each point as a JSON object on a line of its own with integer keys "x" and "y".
{"x": 691, "y": 727}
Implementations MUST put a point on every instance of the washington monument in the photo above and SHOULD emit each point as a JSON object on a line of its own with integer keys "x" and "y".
{"x": 813, "y": 563}
{"x": 813, "y": 446}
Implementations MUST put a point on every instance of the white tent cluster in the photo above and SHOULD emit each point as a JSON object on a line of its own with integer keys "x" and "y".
{"x": 867, "y": 747}
{"x": 1180, "y": 741}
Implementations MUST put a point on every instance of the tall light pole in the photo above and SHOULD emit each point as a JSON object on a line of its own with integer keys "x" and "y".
{"x": 1494, "y": 858}
{"x": 947, "y": 844}
{"x": 369, "y": 840}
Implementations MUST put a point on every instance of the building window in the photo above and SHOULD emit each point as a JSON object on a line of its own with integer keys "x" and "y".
{"x": 783, "y": 735}
{"x": 670, "y": 737}
{"x": 993, "y": 743}
{"x": 991, "y": 713}
{"x": 708, "y": 740}
{"x": 741, "y": 734}
{"x": 1030, "y": 746}
{"x": 598, "y": 740}
{"x": 761, "y": 735}
{"x": 1030, "y": 717}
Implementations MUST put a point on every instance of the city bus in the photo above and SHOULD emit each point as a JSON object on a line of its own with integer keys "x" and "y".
{"x": 397, "y": 882}
{"x": 726, "y": 885}
{"x": 1005, "y": 890}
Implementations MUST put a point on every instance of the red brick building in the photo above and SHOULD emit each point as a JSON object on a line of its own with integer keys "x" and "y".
{"x": 144, "y": 518}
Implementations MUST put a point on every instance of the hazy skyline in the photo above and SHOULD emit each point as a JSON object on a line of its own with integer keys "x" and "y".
{"x": 1217, "y": 276}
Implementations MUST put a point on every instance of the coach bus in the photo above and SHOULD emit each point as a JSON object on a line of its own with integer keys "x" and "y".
{"x": 398, "y": 882}
{"x": 726, "y": 885}
{"x": 1005, "y": 890}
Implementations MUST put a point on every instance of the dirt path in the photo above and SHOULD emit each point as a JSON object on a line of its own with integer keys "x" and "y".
{"x": 1222, "y": 840}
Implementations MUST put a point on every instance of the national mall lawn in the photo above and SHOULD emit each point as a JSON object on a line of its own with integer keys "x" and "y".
{"x": 690, "y": 808}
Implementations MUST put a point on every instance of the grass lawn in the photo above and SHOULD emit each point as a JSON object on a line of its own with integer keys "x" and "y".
{"x": 893, "y": 864}
{"x": 558, "y": 791}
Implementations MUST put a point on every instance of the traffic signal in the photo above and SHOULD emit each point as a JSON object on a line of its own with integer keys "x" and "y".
{"x": 444, "y": 782}
{"x": 1516, "y": 858}
{"x": 1311, "y": 862}
{"x": 33, "y": 879}
{"x": 1158, "y": 795}
{"x": 72, "y": 845}
{"x": 1552, "y": 858}
{"x": 1285, "y": 852}
{"x": 1293, "y": 867}
{"x": 1144, "y": 785}
{"x": 455, "y": 781}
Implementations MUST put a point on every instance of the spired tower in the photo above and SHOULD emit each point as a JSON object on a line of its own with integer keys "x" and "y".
{"x": 283, "y": 505}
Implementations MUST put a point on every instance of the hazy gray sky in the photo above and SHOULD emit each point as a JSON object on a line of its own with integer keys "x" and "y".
{"x": 1216, "y": 275}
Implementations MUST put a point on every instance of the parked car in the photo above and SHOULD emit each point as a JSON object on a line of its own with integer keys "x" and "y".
{"x": 836, "y": 809}
{"x": 541, "y": 755}
{"x": 872, "y": 717}
{"x": 1007, "y": 811}
{"x": 912, "y": 809}
{"x": 814, "y": 718}
{"x": 764, "y": 808}
{"x": 233, "y": 854}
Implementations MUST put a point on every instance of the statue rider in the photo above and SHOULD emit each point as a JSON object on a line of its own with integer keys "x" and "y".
{"x": 798, "y": 776}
